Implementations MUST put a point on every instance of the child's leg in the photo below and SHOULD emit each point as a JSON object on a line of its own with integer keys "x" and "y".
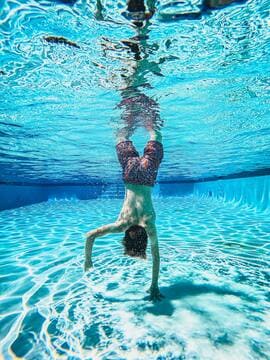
{"x": 155, "y": 135}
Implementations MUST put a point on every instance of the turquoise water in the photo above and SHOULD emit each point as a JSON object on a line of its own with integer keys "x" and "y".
{"x": 214, "y": 274}
{"x": 59, "y": 104}
{"x": 204, "y": 81}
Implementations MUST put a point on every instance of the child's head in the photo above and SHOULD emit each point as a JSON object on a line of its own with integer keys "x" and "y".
{"x": 135, "y": 242}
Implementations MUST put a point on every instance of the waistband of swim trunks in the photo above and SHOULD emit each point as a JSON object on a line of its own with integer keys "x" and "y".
{"x": 155, "y": 142}
{"x": 123, "y": 141}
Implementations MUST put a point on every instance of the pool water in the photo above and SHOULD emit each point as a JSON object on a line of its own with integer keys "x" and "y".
{"x": 201, "y": 78}
{"x": 214, "y": 275}
{"x": 60, "y": 105}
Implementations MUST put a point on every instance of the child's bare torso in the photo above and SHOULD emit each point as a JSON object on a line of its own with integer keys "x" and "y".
{"x": 137, "y": 207}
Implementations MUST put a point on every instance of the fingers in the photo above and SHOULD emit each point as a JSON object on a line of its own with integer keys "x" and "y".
{"x": 155, "y": 296}
{"x": 155, "y": 299}
{"x": 88, "y": 266}
{"x": 159, "y": 297}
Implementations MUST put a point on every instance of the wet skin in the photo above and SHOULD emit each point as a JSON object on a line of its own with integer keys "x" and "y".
{"x": 137, "y": 209}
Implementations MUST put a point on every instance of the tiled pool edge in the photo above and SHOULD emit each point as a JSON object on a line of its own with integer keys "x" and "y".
{"x": 13, "y": 196}
{"x": 254, "y": 191}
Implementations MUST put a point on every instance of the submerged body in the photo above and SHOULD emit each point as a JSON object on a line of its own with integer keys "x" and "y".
{"x": 137, "y": 216}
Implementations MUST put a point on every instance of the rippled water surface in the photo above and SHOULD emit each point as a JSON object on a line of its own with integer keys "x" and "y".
{"x": 214, "y": 274}
{"x": 59, "y": 103}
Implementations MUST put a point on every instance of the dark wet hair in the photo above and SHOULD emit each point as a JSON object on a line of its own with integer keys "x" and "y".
{"x": 135, "y": 241}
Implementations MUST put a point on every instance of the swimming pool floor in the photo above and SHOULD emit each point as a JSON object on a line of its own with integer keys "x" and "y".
{"x": 214, "y": 274}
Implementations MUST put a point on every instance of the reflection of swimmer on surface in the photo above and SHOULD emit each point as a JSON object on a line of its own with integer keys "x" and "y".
{"x": 216, "y": 4}
{"x": 179, "y": 10}
{"x": 139, "y": 110}
{"x": 136, "y": 12}
{"x": 137, "y": 217}
{"x": 60, "y": 40}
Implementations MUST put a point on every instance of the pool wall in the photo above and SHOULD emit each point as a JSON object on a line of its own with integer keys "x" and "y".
{"x": 12, "y": 196}
{"x": 253, "y": 191}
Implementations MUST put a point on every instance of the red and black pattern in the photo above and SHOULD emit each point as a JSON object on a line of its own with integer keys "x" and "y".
{"x": 140, "y": 170}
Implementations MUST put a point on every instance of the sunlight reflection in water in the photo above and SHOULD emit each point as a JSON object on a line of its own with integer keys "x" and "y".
{"x": 214, "y": 275}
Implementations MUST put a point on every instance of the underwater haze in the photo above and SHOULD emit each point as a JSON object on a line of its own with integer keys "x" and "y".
{"x": 214, "y": 275}
{"x": 73, "y": 76}
{"x": 60, "y": 108}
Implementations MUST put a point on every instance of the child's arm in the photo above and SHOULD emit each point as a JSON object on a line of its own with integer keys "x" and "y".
{"x": 93, "y": 234}
{"x": 155, "y": 295}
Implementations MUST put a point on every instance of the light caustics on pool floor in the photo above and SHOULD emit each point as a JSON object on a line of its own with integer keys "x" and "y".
{"x": 214, "y": 274}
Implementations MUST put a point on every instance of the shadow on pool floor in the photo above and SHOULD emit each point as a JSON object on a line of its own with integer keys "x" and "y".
{"x": 180, "y": 290}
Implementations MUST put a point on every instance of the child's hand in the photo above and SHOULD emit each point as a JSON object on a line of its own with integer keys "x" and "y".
{"x": 88, "y": 265}
{"x": 155, "y": 294}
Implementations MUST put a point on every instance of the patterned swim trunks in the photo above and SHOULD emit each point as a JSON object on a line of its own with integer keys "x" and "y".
{"x": 140, "y": 170}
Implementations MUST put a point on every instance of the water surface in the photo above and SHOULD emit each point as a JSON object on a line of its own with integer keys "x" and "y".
{"x": 59, "y": 113}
